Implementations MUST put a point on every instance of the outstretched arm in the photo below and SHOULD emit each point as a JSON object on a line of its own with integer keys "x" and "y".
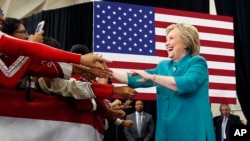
{"x": 14, "y": 46}
{"x": 120, "y": 76}
{"x": 166, "y": 81}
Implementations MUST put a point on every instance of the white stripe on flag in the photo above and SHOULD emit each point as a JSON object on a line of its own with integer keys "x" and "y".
{"x": 193, "y": 21}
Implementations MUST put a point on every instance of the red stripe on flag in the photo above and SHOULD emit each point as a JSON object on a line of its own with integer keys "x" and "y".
{"x": 222, "y": 100}
{"x": 131, "y": 65}
{"x": 217, "y": 44}
{"x": 192, "y": 14}
{"x": 161, "y": 53}
{"x": 218, "y": 58}
{"x": 214, "y": 30}
{"x": 222, "y": 86}
{"x": 221, "y": 72}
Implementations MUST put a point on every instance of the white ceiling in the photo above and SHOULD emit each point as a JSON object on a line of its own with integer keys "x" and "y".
{"x": 23, "y": 8}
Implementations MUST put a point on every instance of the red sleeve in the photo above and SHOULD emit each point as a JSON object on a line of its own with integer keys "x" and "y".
{"x": 13, "y": 46}
{"x": 103, "y": 109}
{"x": 42, "y": 68}
{"x": 102, "y": 90}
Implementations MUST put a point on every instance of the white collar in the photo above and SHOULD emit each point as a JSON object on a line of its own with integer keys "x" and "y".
{"x": 137, "y": 113}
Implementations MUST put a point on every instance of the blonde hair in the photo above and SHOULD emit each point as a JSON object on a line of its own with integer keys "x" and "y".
{"x": 189, "y": 34}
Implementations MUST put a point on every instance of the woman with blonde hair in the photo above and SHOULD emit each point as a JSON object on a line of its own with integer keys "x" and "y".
{"x": 182, "y": 83}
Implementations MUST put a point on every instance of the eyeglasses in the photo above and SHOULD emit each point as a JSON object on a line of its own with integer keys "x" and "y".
{"x": 22, "y": 32}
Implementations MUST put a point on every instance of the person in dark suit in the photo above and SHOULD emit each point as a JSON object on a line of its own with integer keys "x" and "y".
{"x": 223, "y": 123}
{"x": 215, "y": 118}
{"x": 143, "y": 129}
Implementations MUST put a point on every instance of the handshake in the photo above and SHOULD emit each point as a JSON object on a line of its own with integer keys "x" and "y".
{"x": 97, "y": 69}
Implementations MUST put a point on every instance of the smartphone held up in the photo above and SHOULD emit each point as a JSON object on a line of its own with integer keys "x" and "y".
{"x": 40, "y": 26}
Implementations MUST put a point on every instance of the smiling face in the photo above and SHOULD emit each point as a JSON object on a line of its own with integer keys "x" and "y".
{"x": 175, "y": 46}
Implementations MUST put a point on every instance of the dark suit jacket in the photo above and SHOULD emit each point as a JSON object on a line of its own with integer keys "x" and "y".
{"x": 232, "y": 119}
{"x": 147, "y": 127}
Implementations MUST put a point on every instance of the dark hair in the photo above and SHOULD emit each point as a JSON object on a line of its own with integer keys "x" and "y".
{"x": 52, "y": 42}
{"x": 10, "y": 25}
{"x": 80, "y": 49}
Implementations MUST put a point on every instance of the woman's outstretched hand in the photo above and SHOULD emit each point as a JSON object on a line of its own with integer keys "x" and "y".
{"x": 144, "y": 75}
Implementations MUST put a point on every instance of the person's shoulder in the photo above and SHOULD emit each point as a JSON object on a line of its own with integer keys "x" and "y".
{"x": 164, "y": 62}
{"x": 235, "y": 116}
{"x": 217, "y": 117}
{"x": 130, "y": 115}
{"x": 147, "y": 114}
{"x": 198, "y": 58}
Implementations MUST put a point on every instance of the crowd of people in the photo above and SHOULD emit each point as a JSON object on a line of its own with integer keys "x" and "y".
{"x": 183, "y": 107}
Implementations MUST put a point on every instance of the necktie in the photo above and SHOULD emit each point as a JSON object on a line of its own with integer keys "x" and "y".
{"x": 139, "y": 125}
{"x": 223, "y": 128}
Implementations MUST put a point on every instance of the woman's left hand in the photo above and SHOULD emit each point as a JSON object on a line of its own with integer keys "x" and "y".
{"x": 145, "y": 76}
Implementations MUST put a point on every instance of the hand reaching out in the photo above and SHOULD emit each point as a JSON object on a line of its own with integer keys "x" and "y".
{"x": 127, "y": 123}
{"x": 93, "y": 61}
{"x": 145, "y": 76}
{"x": 101, "y": 73}
{"x": 124, "y": 91}
{"x": 126, "y": 105}
{"x": 89, "y": 74}
{"x": 117, "y": 104}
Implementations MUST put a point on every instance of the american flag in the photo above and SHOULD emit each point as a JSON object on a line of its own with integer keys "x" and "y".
{"x": 133, "y": 37}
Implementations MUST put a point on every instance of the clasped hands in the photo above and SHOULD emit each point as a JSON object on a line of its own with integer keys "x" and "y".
{"x": 144, "y": 75}
{"x": 95, "y": 67}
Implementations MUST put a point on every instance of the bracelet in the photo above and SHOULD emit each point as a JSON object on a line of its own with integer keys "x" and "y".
{"x": 154, "y": 79}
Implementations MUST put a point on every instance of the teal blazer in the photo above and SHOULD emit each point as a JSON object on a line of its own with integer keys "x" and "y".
{"x": 183, "y": 115}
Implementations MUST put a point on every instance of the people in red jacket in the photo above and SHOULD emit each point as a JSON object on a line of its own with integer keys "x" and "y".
{"x": 15, "y": 68}
{"x": 15, "y": 47}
